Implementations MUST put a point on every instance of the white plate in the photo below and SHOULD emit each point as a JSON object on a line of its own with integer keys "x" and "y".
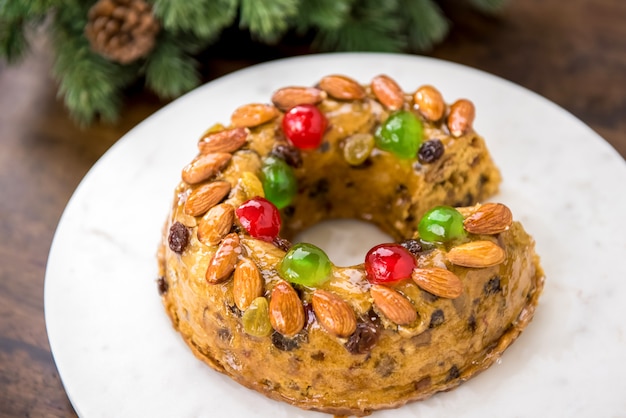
{"x": 118, "y": 355}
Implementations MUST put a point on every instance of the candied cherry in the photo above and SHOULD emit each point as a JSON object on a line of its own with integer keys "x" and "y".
{"x": 441, "y": 224}
{"x": 386, "y": 263}
{"x": 260, "y": 218}
{"x": 304, "y": 125}
{"x": 305, "y": 264}
{"x": 401, "y": 134}
{"x": 279, "y": 182}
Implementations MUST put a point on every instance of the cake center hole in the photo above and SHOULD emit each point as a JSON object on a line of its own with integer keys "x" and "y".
{"x": 346, "y": 241}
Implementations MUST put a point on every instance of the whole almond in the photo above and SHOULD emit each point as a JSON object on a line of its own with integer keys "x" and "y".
{"x": 205, "y": 166}
{"x": 388, "y": 92}
{"x": 247, "y": 283}
{"x": 393, "y": 305}
{"x": 438, "y": 281}
{"x": 227, "y": 140}
{"x": 288, "y": 97}
{"x": 477, "y": 254}
{"x": 215, "y": 224}
{"x": 286, "y": 310}
{"x": 333, "y": 313}
{"x": 342, "y": 87}
{"x": 490, "y": 219}
{"x": 204, "y": 197}
{"x": 461, "y": 117}
{"x": 253, "y": 114}
{"x": 429, "y": 102}
{"x": 224, "y": 260}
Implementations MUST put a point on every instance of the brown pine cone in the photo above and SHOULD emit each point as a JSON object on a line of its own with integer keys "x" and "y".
{"x": 122, "y": 30}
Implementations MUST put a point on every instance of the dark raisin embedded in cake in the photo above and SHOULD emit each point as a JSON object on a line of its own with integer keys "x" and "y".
{"x": 430, "y": 151}
{"x": 178, "y": 238}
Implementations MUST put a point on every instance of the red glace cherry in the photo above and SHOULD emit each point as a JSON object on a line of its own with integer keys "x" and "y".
{"x": 260, "y": 218}
{"x": 304, "y": 125}
{"x": 387, "y": 263}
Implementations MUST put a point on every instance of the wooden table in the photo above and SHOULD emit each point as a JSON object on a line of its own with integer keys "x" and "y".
{"x": 573, "y": 53}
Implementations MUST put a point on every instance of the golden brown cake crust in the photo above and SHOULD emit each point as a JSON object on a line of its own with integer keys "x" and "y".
{"x": 381, "y": 364}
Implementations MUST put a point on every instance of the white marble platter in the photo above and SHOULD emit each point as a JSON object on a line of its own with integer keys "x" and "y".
{"x": 118, "y": 355}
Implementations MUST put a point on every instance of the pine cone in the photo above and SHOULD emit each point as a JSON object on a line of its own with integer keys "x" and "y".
{"x": 122, "y": 30}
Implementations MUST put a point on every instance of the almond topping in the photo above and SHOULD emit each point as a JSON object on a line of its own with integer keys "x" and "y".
{"x": 477, "y": 254}
{"x": 393, "y": 305}
{"x": 461, "y": 117}
{"x": 286, "y": 310}
{"x": 215, "y": 224}
{"x": 247, "y": 283}
{"x": 429, "y": 102}
{"x": 253, "y": 114}
{"x": 438, "y": 281}
{"x": 205, "y": 166}
{"x": 204, "y": 197}
{"x": 288, "y": 97}
{"x": 342, "y": 87}
{"x": 223, "y": 262}
{"x": 333, "y": 313}
{"x": 388, "y": 92}
{"x": 489, "y": 219}
{"x": 228, "y": 140}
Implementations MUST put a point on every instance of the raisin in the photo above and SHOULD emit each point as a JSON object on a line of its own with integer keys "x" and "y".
{"x": 437, "y": 318}
{"x": 289, "y": 154}
{"x": 319, "y": 188}
{"x": 178, "y": 238}
{"x": 319, "y": 356}
{"x": 413, "y": 246}
{"x": 471, "y": 323}
{"x": 453, "y": 373}
{"x": 283, "y": 343}
{"x": 430, "y": 151}
{"x": 162, "y": 285}
{"x": 492, "y": 286}
{"x": 366, "y": 335}
{"x": 282, "y": 243}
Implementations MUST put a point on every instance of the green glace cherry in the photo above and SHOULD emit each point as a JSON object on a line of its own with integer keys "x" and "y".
{"x": 279, "y": 182}
{"x": 441, "y": 224}
{"x": 401, "y": 134}
{"x": 305, "y": 264}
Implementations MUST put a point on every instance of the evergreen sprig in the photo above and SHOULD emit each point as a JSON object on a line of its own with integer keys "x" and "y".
{"x": 93, "y": 86}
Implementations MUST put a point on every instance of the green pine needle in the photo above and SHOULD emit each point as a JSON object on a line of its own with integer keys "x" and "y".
{"x": 325, "y": 14}
{"x": 267, "y": 20}
{"x": 204, "y": 18}
{"x": 426, "y": 24}
{"x": 13, "y": 44}
{"x": 371, "y": 26}
{"x": 488, "y": 6}
{"x": 170, "y": 72}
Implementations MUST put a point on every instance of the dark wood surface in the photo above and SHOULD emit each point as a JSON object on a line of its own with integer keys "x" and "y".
{"x": 573, "y": 53}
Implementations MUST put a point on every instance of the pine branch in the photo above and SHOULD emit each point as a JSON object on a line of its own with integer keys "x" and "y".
{"x": 326, "y": 14}
{"x": 171, "y": 72}
{"x": 204, "y": 18}
{"x": 90, "y": 85}
{"x": 488, "y": 6}
{"x": 425, "y": 23}
{"x": 13, "y": 44}
{"x": 268, "y": 20}
{"x": 371, "y": 26}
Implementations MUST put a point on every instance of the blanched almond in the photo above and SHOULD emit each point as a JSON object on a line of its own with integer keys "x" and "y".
{"x": 393, "y": 305}
{"x": 215, "y": 224}
{"x": 342, "y": 87}
{"x": 224, "y": 260}
{"x": 438, "y": 281}
{"x": 227, "y": 140}
{"x": 253, "y": 114}
{"x": 333, "y": 313}
{"x": 388, "y": 92}
{"x": 288, "y": 97}
{"x": 204, "y": 197}
{"x": 205, "y": 166}
{"x": 477, "y": 254}
{"x": 286, "y": 310}
{"x": 461, "y": 117}
{"x": 489, "y": 218}
{"x": 247, "y": 283}
{"x": 429, "y": 102}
